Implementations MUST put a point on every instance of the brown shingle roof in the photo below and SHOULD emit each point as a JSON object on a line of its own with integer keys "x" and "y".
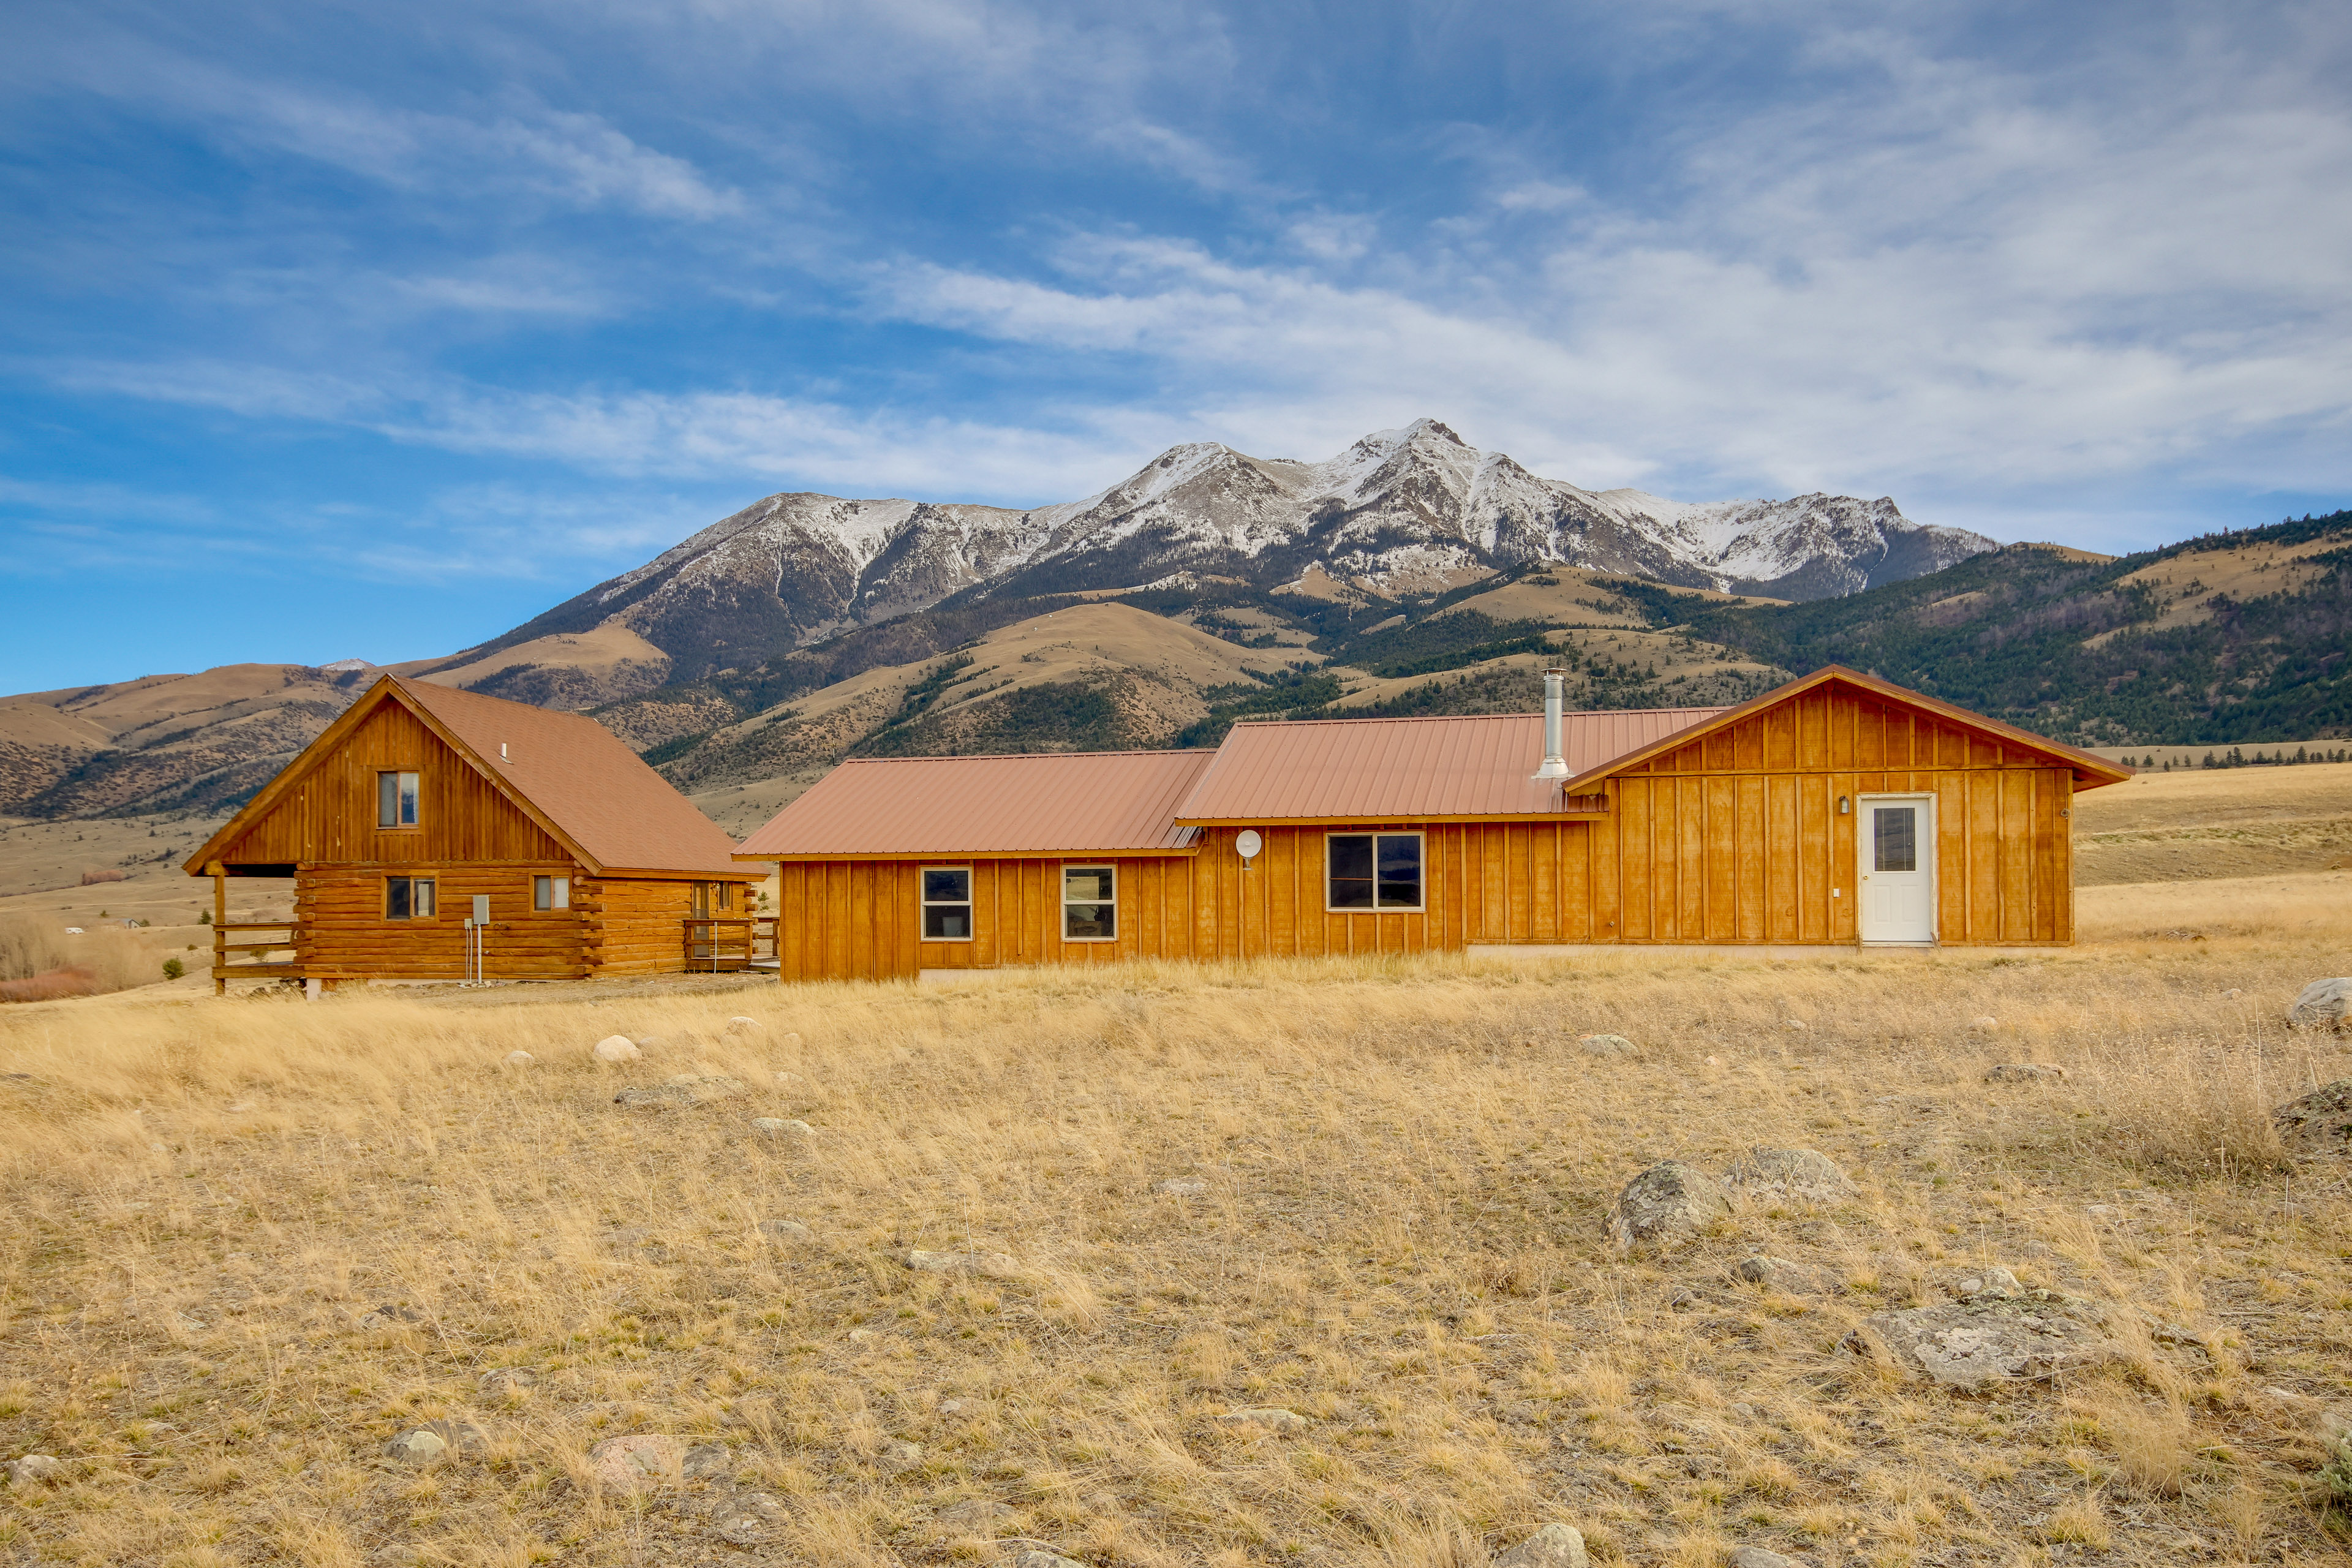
{"x": 617, "y": 813}
{"x": 1054, "y": 802}
{"x": 1391, "y": 769}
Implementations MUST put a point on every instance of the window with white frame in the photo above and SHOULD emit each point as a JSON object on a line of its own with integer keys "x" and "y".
{"x": 395, "y": 800}
{"x": 946, "y": 903}
{"x": 1089, "y": 903}
{"x": 1373, "y": 871}
{"x": 551, "y": 892}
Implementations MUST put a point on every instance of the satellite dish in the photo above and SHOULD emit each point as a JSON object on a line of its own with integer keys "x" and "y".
{"x": 1247, "y": 844}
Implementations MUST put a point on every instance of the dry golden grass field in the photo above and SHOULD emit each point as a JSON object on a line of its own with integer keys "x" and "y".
{"x": 248, "y": 1242}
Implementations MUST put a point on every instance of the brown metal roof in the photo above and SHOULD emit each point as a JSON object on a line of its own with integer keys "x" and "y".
{"x": 1054, "y": 802}
{"x": 1393, "y": 769}
{"x": 591, "y": 788}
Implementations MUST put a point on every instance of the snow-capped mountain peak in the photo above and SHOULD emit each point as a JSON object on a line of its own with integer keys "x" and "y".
{"x": 1413, "y": 509}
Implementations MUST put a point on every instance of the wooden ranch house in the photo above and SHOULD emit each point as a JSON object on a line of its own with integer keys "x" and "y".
{"x": 1838, "y": 809}
{"x": 433, "y": 833}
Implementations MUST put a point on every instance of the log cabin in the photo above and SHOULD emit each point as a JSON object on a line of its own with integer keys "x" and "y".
{"x": 435, "y": 834}
{"x": 1837, "y": 810}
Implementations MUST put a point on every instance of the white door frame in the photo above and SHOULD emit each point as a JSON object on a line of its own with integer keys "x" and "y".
{"x": 1862, "y": 854}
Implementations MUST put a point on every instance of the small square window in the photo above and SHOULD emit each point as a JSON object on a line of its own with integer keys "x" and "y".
{"x": 946, "y": 903}
{"x": 395, "y": 800}
{"x": 1089, "y": 903}
{"x": 408, "y": 897}
{"x": 551, "y": 892}
{"x": 1367, "y": 871}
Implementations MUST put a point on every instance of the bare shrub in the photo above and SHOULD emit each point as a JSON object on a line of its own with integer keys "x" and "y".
{"x": 40, "y": 962}
{"x": 92, "y": 877}
{"x": 30, "y": 947}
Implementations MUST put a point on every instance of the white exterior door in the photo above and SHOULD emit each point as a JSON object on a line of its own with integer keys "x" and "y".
{"x": 1898, "y": 867}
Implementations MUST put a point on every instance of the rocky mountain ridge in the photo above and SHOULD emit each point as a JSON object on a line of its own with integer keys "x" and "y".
{"x": 1400, "y": 513}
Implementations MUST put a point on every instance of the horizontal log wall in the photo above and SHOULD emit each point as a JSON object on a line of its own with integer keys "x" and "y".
{"x": 637, "y": 925}
{"x": 344, "y": 933}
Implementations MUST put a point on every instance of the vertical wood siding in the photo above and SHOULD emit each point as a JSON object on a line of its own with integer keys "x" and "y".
{"x": 1735, "y": 839}
{"x": 329, "y": 814}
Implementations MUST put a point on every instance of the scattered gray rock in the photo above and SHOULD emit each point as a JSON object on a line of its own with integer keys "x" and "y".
{"x": 500, "y": 1380}
{"x": 990, "y": 1265}
{"x": 899, "y": 1455}
{"x": 1668, "y": 1200}
{"x": 1757, "y": 1557}
{"x": 1991, "y": 1281}
{"x": 2025, "y": 1072}
{"x": 1607, "y": 1046}
{"x": 417, "y": 1448}
{"x": 686, "y": 1089}
{"x": 1553, "y": 1546}
{"x": 1035, "y": 1558}
{"x": 36, "y": 1470}
{"x": 1987, "y": 1339}
{"x": 786, "y": 1230}
{"x": 391, "y": 1315}
{"x": 2324, "y": 1002}
{"x": 520, "y": 1058}
{"x": 1807, "y": 1175}
{"x": 1272, "y": 1417}
{"x": 974, "y": 1514}
{"x": 738, "y": 1516}
{"x": 782, "y": 1127}
{"x": 1183, "y": 1187}
{"x": 789, "y": 1080}
{"x": 617, "y": 1049}
{"x": 649, "y": 1042}
{"x": 741, "y": 1026}
{"x": 953, "y": 1407}
{"x": 2318, "y": 1123}
{"x": 1796, "y": 1025}
{"x": 704, "y": 1460}
{"x": 1982, "y": 1026}
{"x": 1789, "y": 1279}
{"x": 788, "y": 1039}
{"x": 632, "y": 1463}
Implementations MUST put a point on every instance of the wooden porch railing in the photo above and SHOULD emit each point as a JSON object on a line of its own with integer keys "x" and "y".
{"x": 258, "y": 967}
{"x": 716, "y": 944}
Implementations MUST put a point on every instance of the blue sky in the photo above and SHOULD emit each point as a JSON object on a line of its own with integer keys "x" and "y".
{"x": 331, "y": 330}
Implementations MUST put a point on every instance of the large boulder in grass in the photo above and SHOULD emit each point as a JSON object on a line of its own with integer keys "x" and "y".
{"x": 1987, "y": 1339}
{"x": 2324, "y": 1004}
{"x": 617, "y": 1049}
{"x": 1806, "y": 1175}
{"x": 1668, "y": 1201}
{"x": 2318, "y": 1123}
{"x": 1553, "y": 1546}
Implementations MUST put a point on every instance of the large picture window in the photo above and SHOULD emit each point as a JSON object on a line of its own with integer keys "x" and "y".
{"x": 395, "y": 800}
{"x": 408, "y": 897}
{"x": 1371, "y": 871}
{"x": 946, "y": 903}
{"x": 1089, "y": 903}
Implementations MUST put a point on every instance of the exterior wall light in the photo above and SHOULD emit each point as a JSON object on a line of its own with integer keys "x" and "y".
{"x": 1845, "y": 806}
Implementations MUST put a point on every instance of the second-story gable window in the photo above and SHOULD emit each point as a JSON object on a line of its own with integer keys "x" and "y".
{"x": 395, "y": 800}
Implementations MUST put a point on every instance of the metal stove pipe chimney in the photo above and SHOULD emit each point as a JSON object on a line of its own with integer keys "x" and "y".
{"x": 1555, "y": 765}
